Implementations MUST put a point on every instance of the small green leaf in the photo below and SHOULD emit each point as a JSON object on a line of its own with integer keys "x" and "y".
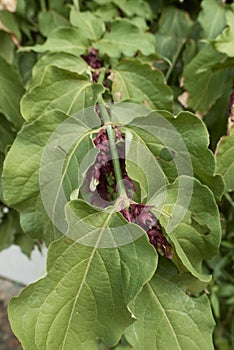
{"x": 11, "y": 93}
{"x": 84, "y": 295}
{"x": 212, "y": 18}
{"x": 116, "y": 42}
{"x": 134, "y": 8}
{"x": 174, "y": 28}
{"x": 63, "y": 39}
{"x": 225, "y": 160}
{"x": 60, "y": 89}
{"x": 7, "y": 133}
{"x": 92, "y": 27}
{"x": 50, "y": 20}
{"x": 135, "y": 81}
{"x": 167, "y": 318}
{"x": 224, "y": 42}
{"x": 10, "y": 22}
{"x": 9, "y": 228}
{"x": 7, "y": 48}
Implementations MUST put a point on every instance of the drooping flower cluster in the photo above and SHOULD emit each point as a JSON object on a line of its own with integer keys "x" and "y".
{"x": 102, "y": 183}
{"x": 101, "y": 173}
{"x": 141, "y": 215}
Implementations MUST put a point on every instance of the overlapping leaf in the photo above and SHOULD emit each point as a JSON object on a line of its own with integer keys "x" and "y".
{"x": 85, "y": 294}
{"x": 60, "y": 89}
{"x": 224, "y": 42}
{"x": 167, "y": 318}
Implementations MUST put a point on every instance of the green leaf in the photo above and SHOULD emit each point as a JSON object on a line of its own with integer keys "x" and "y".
{"x": 7, "y": 47}
{"x": 174, "y": 28}
{"x": 62, "y": 60}
{"x": 60, "y": 89}
{"x": 197, "y": 235}
{"x": 116, "y": 42}
{"x": 63, "y": 39}
{"x": 7, "y": 133}
{"x": 9, "y": 228}
{"x": 167, "y": 318}
{"x": 200, "y": 77}
{"x": 225, "y": 160}
{"x": 50, "y": 20}
{"x": 137, "y": 82}
{"x": 10, "y": 22}
{"x": 11, "y": 93}
{"x": 92, "y": 27}
{"x": 212, "y": 18}
{"x": 134, "y": 8}
{"x": 84, "y": 295}
{"x": 224, "y": 42}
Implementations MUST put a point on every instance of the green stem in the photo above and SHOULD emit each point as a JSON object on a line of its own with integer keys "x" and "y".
{"x": 229, "y": 199}
{"x": 113, "y": 149}
{"x": 111, "y": 137}
{"x": 43, "y": 5}
{"x": 178, "y": 51}
{"x": 77, "y": 5}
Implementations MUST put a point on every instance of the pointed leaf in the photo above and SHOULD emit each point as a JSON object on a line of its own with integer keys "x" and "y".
{"x": 224, "y": 42}
{"x": 63, "y": 39}
{"x": 135, "y": 81}
{"x": 168, "y": 318}
{"x": 92, "y": 26}
{"x": 84, "y": 295}
{"x": 60, "y": 89}
{"x": 116, "y": 42}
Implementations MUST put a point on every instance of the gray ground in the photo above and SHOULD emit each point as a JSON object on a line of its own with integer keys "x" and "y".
{"x": 7, "y": 340}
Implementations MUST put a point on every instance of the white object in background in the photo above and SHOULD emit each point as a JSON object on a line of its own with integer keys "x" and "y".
{"x": 18, "y": 267}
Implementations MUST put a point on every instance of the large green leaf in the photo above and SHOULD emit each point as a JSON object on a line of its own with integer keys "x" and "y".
{"x": 63, "y": 39}
{"x": 168, "y": 318}
{"x": 225, "y": 160}
{"x": 92, "y": 26}
{"x": 11, "y": 93}
{"x": 134, "y": 7}
{"x": 60, "y": 89}
{"x": 116, "y": 42}
{"x": 201, "y": 75}
{"x": 63, "y": 60}
{"x": 85, "y": 295}
{"x": 212, "y": 18}
{"x": 135, "y": 81}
